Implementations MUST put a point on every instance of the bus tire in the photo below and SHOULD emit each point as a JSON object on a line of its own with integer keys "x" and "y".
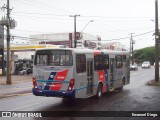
{"x": 120, "y": 88}
{"x": 123, "y": 81}
{"x": 99, "y": 91}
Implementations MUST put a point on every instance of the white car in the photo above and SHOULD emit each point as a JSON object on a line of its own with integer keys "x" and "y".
{"x": 146, "y": 64}
{"x": 133, "y": 67}
{"x": 22, "y": 71}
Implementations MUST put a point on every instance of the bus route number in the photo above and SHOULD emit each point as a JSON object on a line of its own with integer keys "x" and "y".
{"x": 40, "y": 77}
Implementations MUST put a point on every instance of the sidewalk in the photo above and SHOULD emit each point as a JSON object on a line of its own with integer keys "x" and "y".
{"x": 16, "y": 79}
{"x": 153, "y": 83}
{"x": 21, "y": 85}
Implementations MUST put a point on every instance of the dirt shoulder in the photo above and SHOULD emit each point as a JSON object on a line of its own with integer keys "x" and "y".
{"x": 16, "y": 79}
{"x": 153, "y": 83}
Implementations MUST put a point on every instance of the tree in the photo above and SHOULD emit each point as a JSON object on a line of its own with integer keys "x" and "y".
{"x": 145, "y": 54}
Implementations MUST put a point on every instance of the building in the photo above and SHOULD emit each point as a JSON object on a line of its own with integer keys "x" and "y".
{"x": 84, "y": 40}
{"x": 67, "y": 39}
{"x": 112, "y": 46}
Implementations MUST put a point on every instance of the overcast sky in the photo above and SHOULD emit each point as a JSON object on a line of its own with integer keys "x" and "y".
{"x": 113, "y": 19}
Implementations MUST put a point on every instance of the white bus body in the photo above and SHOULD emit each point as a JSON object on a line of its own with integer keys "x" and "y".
{"x": 79, "y": 73}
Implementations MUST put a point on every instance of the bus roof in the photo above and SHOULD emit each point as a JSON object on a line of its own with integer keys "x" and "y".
{"x": 85, "y": 50}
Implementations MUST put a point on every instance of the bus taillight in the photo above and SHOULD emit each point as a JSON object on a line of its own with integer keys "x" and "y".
{"x": 71, "y": 85}
{"x": 34, "y": 83}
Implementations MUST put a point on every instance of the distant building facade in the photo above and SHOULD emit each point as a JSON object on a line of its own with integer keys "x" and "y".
{"x": 67, "y": 39}
{"x": 113, "y": 46}
{"x": 84, "y": 40}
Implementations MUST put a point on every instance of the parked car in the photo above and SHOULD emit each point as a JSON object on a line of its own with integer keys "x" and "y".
{"x": 146, "y": 64}
{"x": 29, "y": 70}
{"x": 22, "y": 71}
{"x": 133, "y": 67}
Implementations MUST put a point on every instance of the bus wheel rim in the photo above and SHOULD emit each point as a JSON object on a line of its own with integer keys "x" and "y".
{"x": 99, "y": 92}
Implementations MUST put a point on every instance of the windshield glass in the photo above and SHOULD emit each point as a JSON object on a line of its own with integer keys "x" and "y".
{"x": 53, "y": 57}
{"x": 145, "y": 63}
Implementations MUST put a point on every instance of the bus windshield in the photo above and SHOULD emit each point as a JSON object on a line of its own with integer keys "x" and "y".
{"x": 54, "y": 57}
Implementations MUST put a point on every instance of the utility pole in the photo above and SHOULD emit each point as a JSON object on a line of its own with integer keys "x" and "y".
{"x": 10, "y": 24}
{"x": 157, "y": 42}
{"x": 9, "y": 81}
{"x": 75, "y": 39}
{"x": 131, "y": 48}
{"x": 2, "y": 46}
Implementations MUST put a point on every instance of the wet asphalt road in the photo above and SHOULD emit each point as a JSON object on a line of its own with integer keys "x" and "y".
{"x": 137, "y": 96}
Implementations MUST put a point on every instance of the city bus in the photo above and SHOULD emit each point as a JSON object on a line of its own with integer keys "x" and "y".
{"x": 79, "y": 73}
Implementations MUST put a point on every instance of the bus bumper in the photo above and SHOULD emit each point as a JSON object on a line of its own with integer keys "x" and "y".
{"x": 50, "y": 93}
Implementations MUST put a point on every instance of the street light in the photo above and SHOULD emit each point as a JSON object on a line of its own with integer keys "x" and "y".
{"x": 87, "y": 25}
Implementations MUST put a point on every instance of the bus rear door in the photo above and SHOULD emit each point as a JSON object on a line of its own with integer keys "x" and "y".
{"x": 112, "y": 72}
{"x": 89, "y": 76}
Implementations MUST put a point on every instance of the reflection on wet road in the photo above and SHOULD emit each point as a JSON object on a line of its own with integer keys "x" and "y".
{"x": 137, "y": 96}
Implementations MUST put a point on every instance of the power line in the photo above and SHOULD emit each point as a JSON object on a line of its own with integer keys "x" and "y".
{"x": 27, "y": 38}
{"x": 101, "y": 17}
{"x": 124, "y": 17}
{"x": 32, "y": 31}
{"x": 43, "y": 17}
{"x": 129, "y": 37}
{"x": 41, "y": 5}
{"x": 104, "y": 17}
{"x": 60, "y": 15}
{"x": 144, "y": 33}
{"x": 51, "y": 7}
{"x": 23, "y": 2}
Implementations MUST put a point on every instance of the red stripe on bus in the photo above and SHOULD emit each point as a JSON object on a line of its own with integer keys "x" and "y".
{"x": 61, "y": 76}
{"x": 55, "y": 86}
{"x": 101, "y": 77}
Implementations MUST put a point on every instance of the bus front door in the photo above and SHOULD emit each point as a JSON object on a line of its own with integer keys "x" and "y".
{"x": 89, "y": 76}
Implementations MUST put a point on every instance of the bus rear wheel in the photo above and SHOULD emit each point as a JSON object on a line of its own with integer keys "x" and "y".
{"x": 99, "y": 91}
{"x": 120, "y": 88}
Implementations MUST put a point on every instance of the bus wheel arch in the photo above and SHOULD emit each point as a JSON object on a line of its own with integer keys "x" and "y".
{"x": 123, "y": 83}
{"x": 99, "y": 90}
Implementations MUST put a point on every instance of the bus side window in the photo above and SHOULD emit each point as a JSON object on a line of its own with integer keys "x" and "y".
{"x": 119, "y": 61}
{"x": 98, "y": 62}
{"x": 80, "y": 63}
{"x": 106, "y": 61}
{"x": 95, "y": 62}
{"x": 124, "y": 61}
